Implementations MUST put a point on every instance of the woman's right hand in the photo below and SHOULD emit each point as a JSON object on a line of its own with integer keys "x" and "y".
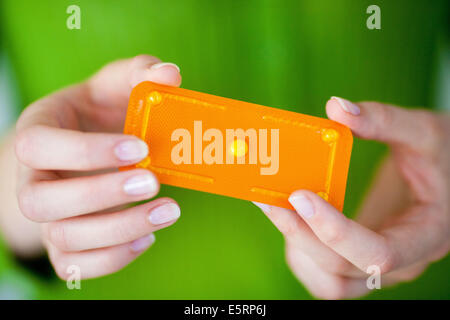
{"x": 69, "y": 145}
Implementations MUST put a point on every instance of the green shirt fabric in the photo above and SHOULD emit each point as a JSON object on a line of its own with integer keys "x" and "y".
{"x": 288, "y": 54}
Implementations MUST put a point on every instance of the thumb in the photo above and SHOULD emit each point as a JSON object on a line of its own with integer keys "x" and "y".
{"x": 395, "y": 126}
{"x": 112, "y": 85}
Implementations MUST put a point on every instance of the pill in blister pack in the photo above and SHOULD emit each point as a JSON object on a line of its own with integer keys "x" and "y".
{"x": 238, "y": 149}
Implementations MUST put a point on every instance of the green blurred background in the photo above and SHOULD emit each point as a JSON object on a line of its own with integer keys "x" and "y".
{"x": 288, "y": 54}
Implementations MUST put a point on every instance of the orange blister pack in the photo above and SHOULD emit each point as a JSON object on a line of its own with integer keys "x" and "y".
{"x": 238, "y": 149}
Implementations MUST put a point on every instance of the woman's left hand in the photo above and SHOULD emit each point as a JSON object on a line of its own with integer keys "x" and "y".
{"x": 404, "y": 224}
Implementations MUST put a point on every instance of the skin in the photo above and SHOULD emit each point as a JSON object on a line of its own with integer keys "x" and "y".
{"x": 66, "y": 151}
{"x": 403, "y": 225}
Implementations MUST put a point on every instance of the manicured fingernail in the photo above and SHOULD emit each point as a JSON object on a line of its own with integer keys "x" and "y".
{"x": 140, "y": 185}
{"x": 164, "y": 213}
{"x": 348, "y": 106}
{"x": 143, "y": 243}
{"x": 264, "y": 207}
{"x": 302, "y": 205}
{"x": 131, "y": 150}
{"x": 164, "y": 64}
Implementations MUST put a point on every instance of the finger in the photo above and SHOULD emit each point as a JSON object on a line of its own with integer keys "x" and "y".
{"x": 423, "y": 177}
{"x": 46, "y": 201}
{"x": 111, "y": 229}
{"x": 111, "y": 86}
{"x": 299, "y": 235}
{"x": 320, "y": 283}
{"x": 418, "y": 234}
{"x": 98, "y": 262}
{"x": 357, "y": 244}
{"x": 396, "y": 126}
{"x": 371, "y": 214}
{"x": 41, "y": 147}
{"x": 47, "y": 148}
{"x": 404, "y": 275}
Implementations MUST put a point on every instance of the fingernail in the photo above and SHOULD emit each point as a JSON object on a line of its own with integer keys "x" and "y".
{"x": 143, "y": 243}
{"x": 140, "y": 185}
{"x": 163, "y": 64}
{"x": 348, "y": 106}
{"x": 131, "y": 150}
{"x": 264, "y": 207}
{"x": 302, "y": 205}
{"x": 164, "y": 213}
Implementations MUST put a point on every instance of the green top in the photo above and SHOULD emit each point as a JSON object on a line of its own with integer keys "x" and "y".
{"x": 292, "y": 55}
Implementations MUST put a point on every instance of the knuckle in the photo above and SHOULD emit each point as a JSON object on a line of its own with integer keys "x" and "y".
{"x": 433, "y": 132}
{"x": 20, "y": 146}
{"x": 136, "y": 65}
{"x": 24, "y": 116}
{"x": 378, "y": 117}
{"x": 332, "y": 234}
{"x": 337, "y": 266}
{"x": 125, "y": 232}
{"x": 289, "y": 230}
{"x": 386, "y": 260}
{"x": 57, "y": 235}
{"x": 59, "y": 263}
{"x": 24, "y": 144}
{"x": 143, "y": 59}
{"x": 27, "y": 203}
{"x": 385, "y": 119}
{"x": 86, "y": 156}
{"x": 60, "y": 269}
{"x": 113, "y": 264}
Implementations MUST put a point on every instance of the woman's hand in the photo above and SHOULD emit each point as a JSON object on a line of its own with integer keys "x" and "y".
{"x": 68, "y": 145}
{"x": 404, "y": 224}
